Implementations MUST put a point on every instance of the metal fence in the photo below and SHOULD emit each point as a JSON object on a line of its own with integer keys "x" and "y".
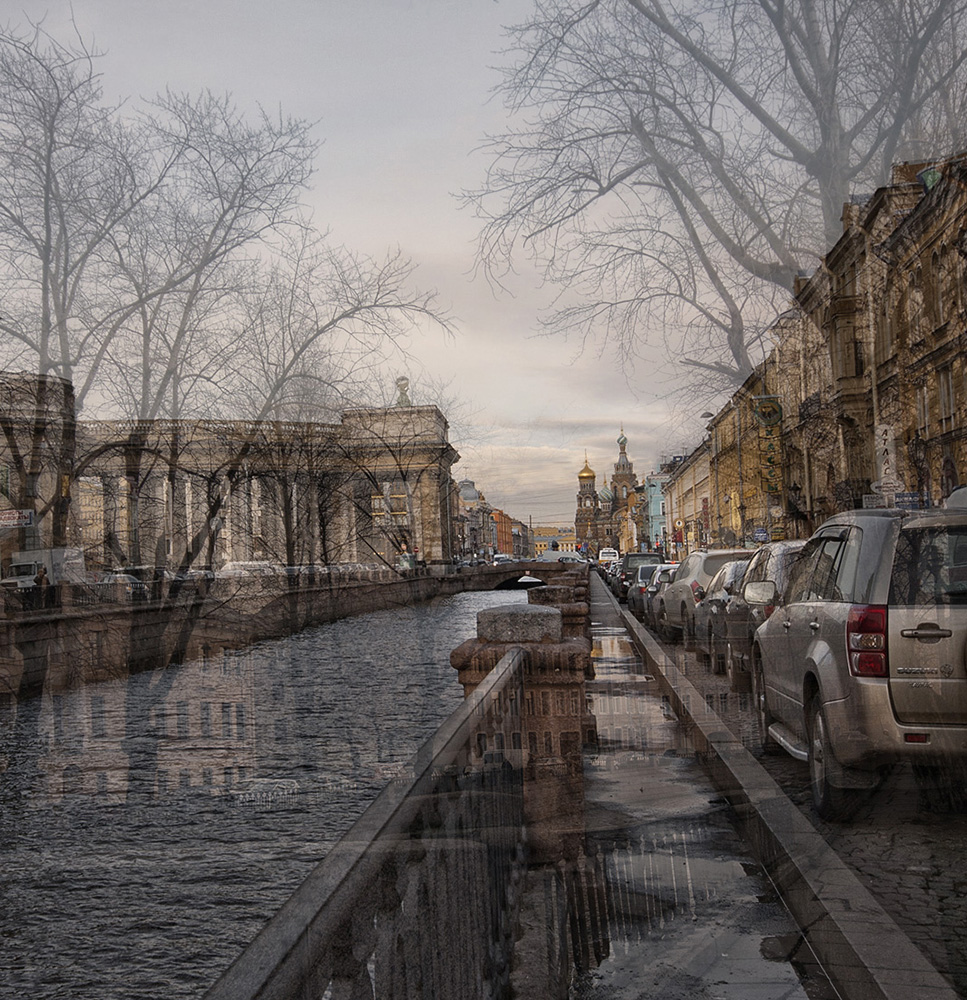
{"x": 419, "y": 898}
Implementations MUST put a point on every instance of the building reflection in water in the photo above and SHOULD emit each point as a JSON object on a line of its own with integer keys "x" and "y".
{"x": 152, "y": 823}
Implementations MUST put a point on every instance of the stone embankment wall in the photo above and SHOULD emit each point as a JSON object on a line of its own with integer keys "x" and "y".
{"x": 73, "y": 642}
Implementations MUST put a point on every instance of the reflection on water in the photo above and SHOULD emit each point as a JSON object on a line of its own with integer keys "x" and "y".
{"x": 150, "y": 825}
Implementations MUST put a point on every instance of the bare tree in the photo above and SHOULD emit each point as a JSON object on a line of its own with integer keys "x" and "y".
{"x": 680, "y": 162}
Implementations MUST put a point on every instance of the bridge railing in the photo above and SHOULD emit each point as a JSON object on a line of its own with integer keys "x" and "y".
{"x": 418, "y": 898}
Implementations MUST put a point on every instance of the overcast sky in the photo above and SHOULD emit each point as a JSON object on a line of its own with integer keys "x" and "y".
{"x": 402, "y": 93}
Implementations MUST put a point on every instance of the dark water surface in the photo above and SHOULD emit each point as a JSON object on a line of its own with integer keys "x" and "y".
{"x": 150, "y": 825}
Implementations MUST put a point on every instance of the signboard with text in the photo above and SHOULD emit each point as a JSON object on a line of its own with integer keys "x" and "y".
{"x": 16, "y": 518}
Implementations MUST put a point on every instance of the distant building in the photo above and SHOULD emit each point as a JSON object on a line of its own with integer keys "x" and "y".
{"x": 614, "y": 516}
{"x": 554, "y": 539}
{"x": 206, "y": 492}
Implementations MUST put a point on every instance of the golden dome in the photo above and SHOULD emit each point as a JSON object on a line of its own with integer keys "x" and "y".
{"x": 587, "y": 472}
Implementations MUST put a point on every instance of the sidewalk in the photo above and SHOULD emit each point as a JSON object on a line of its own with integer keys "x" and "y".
{"x": 693, "y": 914}
{"x": 663, "y": 899}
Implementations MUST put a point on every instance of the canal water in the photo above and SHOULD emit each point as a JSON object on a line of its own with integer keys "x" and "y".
{"x": 151, "y": 824}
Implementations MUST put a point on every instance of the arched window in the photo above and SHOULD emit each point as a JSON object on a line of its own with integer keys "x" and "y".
{"x": 936, "y": 289}
{"x": 915, "y": 306}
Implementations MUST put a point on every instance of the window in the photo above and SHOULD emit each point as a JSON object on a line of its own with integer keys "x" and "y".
{"x": 181, "y": 714}
{"x": 98, "y": 721}
{"x": 923, "y": 411}
{"x": 886, "y": 328}
{"x": 915, "y": 306}
{"x": 930, "y": 567}
{"x": 391, "y": 505}
{"x": 945, "y": 382}
{"x": 936, "y": 290}
{"x": 822, "y": 581}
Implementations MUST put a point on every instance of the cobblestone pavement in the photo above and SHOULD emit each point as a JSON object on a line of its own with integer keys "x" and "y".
{"x": 910, "y": 859}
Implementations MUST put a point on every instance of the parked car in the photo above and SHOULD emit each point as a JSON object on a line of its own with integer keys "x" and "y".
{"x": 627, "y": 566}
{"x": 644, "y": 588}
{"x": 664, "y": 574}
{"x": 710, "y": 614}
{"x": 676, "y": 611}
{"x": 862, "y": 666}
{"x": 250, "y": 569}
{"x": 127, "y": 585}
{"x": 772, "y": 562}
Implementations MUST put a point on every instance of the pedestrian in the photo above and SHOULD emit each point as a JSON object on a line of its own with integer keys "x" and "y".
{"x": 42, "y": 589}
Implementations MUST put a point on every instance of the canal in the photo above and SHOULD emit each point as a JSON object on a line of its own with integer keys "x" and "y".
{"x": 149, "y": 825}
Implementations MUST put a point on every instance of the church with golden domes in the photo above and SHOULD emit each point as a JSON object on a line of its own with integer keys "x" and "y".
{"x": 606, "y": 518}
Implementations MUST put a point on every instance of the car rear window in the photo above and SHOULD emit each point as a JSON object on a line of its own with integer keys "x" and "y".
{"x": 714, "y": 563}
{"x": 930, "y": 566}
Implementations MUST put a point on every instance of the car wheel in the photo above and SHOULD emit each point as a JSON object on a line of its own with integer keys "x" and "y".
{"x": 739, "y": 679}
{"x": 829, "y": 800}
{"x": 763, "y": 716}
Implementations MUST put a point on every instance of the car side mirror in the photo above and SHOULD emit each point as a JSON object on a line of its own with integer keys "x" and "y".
{"x": 760, "y": 592}
{"x": 665, "y": 576}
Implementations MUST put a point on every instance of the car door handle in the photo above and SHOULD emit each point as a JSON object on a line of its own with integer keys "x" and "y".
{"x": 926, "y": 632}
{"x": 787, "y": 624}
{"x": 814, "y": 626}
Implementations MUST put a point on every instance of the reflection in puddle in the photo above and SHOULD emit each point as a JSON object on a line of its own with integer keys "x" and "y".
{"x": 659, "y": 897}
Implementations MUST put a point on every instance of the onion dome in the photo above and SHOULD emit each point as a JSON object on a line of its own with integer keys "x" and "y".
{"x": 587, "y": 472}
{"x": 606, "y": 494}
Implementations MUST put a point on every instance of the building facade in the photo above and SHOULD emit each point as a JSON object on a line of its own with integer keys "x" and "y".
{"x": 862, "y": 400}
{"x": 203, "y": 493}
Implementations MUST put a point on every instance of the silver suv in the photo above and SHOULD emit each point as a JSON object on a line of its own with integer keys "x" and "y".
{"x": 863, "y": 664}
{"x": 676, "y": 611}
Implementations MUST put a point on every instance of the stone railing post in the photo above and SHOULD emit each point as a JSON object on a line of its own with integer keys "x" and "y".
{"x": 555, "y": 720}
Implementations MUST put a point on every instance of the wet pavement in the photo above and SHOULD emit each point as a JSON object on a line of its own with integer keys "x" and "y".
{"x": 909, "y": 858}
{"x": 690, "y": 913}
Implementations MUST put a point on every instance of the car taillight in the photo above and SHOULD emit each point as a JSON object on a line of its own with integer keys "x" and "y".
{"x": 696, "y": 590}
{"x": 866, "y": 640}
